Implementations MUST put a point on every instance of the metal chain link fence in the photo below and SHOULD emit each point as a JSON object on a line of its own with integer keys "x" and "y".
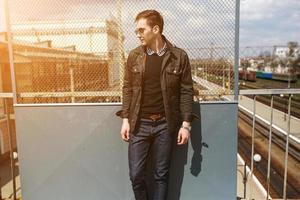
{"x": 74, "y": 51}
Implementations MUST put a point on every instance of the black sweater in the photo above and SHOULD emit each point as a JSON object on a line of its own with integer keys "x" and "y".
{"x": 152, "y": 99}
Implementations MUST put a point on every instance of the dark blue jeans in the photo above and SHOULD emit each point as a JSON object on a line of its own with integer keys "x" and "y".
{"x": 147, "y": 136}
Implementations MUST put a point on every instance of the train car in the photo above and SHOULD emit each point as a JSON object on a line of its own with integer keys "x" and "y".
{"x": 251, "y": 76}
{"x": 264, "y": 75}
{"x": 276, "y": 76}
{"x": 285, "y": 77}
{"x": 248, "y": 75}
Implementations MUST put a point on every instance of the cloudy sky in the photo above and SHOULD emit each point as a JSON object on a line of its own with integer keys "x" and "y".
{"x": 192, "y": 23}
{"x": 269, "y": 22}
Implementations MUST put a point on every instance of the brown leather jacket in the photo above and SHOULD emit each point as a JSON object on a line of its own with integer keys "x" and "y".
{"x": 176, "y": 84}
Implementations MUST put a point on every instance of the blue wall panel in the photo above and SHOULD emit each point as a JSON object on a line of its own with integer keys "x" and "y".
{"x": 75, "y": 152}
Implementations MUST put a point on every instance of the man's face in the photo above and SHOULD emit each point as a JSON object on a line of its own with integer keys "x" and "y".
{"x": 145, "y": 33}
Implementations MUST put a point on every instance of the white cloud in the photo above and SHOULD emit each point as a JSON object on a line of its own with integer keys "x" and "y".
{"x": 269, "y": 22}
{"x": 190, "y": 7}
{"x": 266, "y": 9}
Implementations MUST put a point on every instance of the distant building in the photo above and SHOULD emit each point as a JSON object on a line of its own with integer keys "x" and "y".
{"x": 256, "y": 64}
{"x": 281, "y": 69}
{"x": 282, "y": 51}
{"x": 99, "y": 37}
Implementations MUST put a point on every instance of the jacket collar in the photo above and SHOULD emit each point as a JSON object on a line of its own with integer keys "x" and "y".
{"x": 170, "y": 46}
{"x": 161, "y": 52}
{"x": 142, "y": 52}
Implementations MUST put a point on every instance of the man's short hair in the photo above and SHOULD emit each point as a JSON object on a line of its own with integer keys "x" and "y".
{"x": 153, "y": 18}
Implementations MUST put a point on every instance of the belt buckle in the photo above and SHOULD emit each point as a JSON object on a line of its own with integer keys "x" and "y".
{"x": 155, "y": 117}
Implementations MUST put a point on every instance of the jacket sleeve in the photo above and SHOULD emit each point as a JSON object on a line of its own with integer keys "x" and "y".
{"x": 186, "y": 90}
{"x": 127, "y": 88}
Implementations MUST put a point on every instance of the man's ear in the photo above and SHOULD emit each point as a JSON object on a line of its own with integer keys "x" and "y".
{"x": 156, "y": 29}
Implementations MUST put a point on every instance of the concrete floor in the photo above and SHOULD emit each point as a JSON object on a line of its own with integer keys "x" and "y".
{"x": 257, "y": 191}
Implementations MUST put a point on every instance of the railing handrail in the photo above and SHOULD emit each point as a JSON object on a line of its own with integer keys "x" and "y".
{"x": 116, "y": 93}
{"x": 269, "y": 91}
{"x": 6, "y": 95}
{"x": 70, "y": 94}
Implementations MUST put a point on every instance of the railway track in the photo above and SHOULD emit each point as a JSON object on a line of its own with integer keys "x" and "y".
{"x": 277, "y": 156}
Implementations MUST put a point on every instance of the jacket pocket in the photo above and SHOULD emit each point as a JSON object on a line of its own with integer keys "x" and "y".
{"x": 173, "y": 76}
{"x": 136, "y": 75}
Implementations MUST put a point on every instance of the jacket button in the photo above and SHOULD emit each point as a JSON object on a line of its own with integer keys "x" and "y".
{"x": 175, "y": 71}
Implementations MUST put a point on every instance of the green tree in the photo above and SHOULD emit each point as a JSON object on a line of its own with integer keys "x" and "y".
{"x": 293, "y": 56}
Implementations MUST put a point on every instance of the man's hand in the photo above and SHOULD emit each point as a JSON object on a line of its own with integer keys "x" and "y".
{"x": 183, "y": 136}
{"x": 125, "y": 130}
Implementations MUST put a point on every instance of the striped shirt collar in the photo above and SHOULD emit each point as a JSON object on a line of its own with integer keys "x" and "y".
{"x": 161, "y": 52}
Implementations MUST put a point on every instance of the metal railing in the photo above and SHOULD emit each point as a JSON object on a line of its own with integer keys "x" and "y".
{"x": 271, "y": 128}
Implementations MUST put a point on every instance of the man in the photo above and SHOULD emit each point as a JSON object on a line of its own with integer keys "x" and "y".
{"x": 157, "y": 103}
